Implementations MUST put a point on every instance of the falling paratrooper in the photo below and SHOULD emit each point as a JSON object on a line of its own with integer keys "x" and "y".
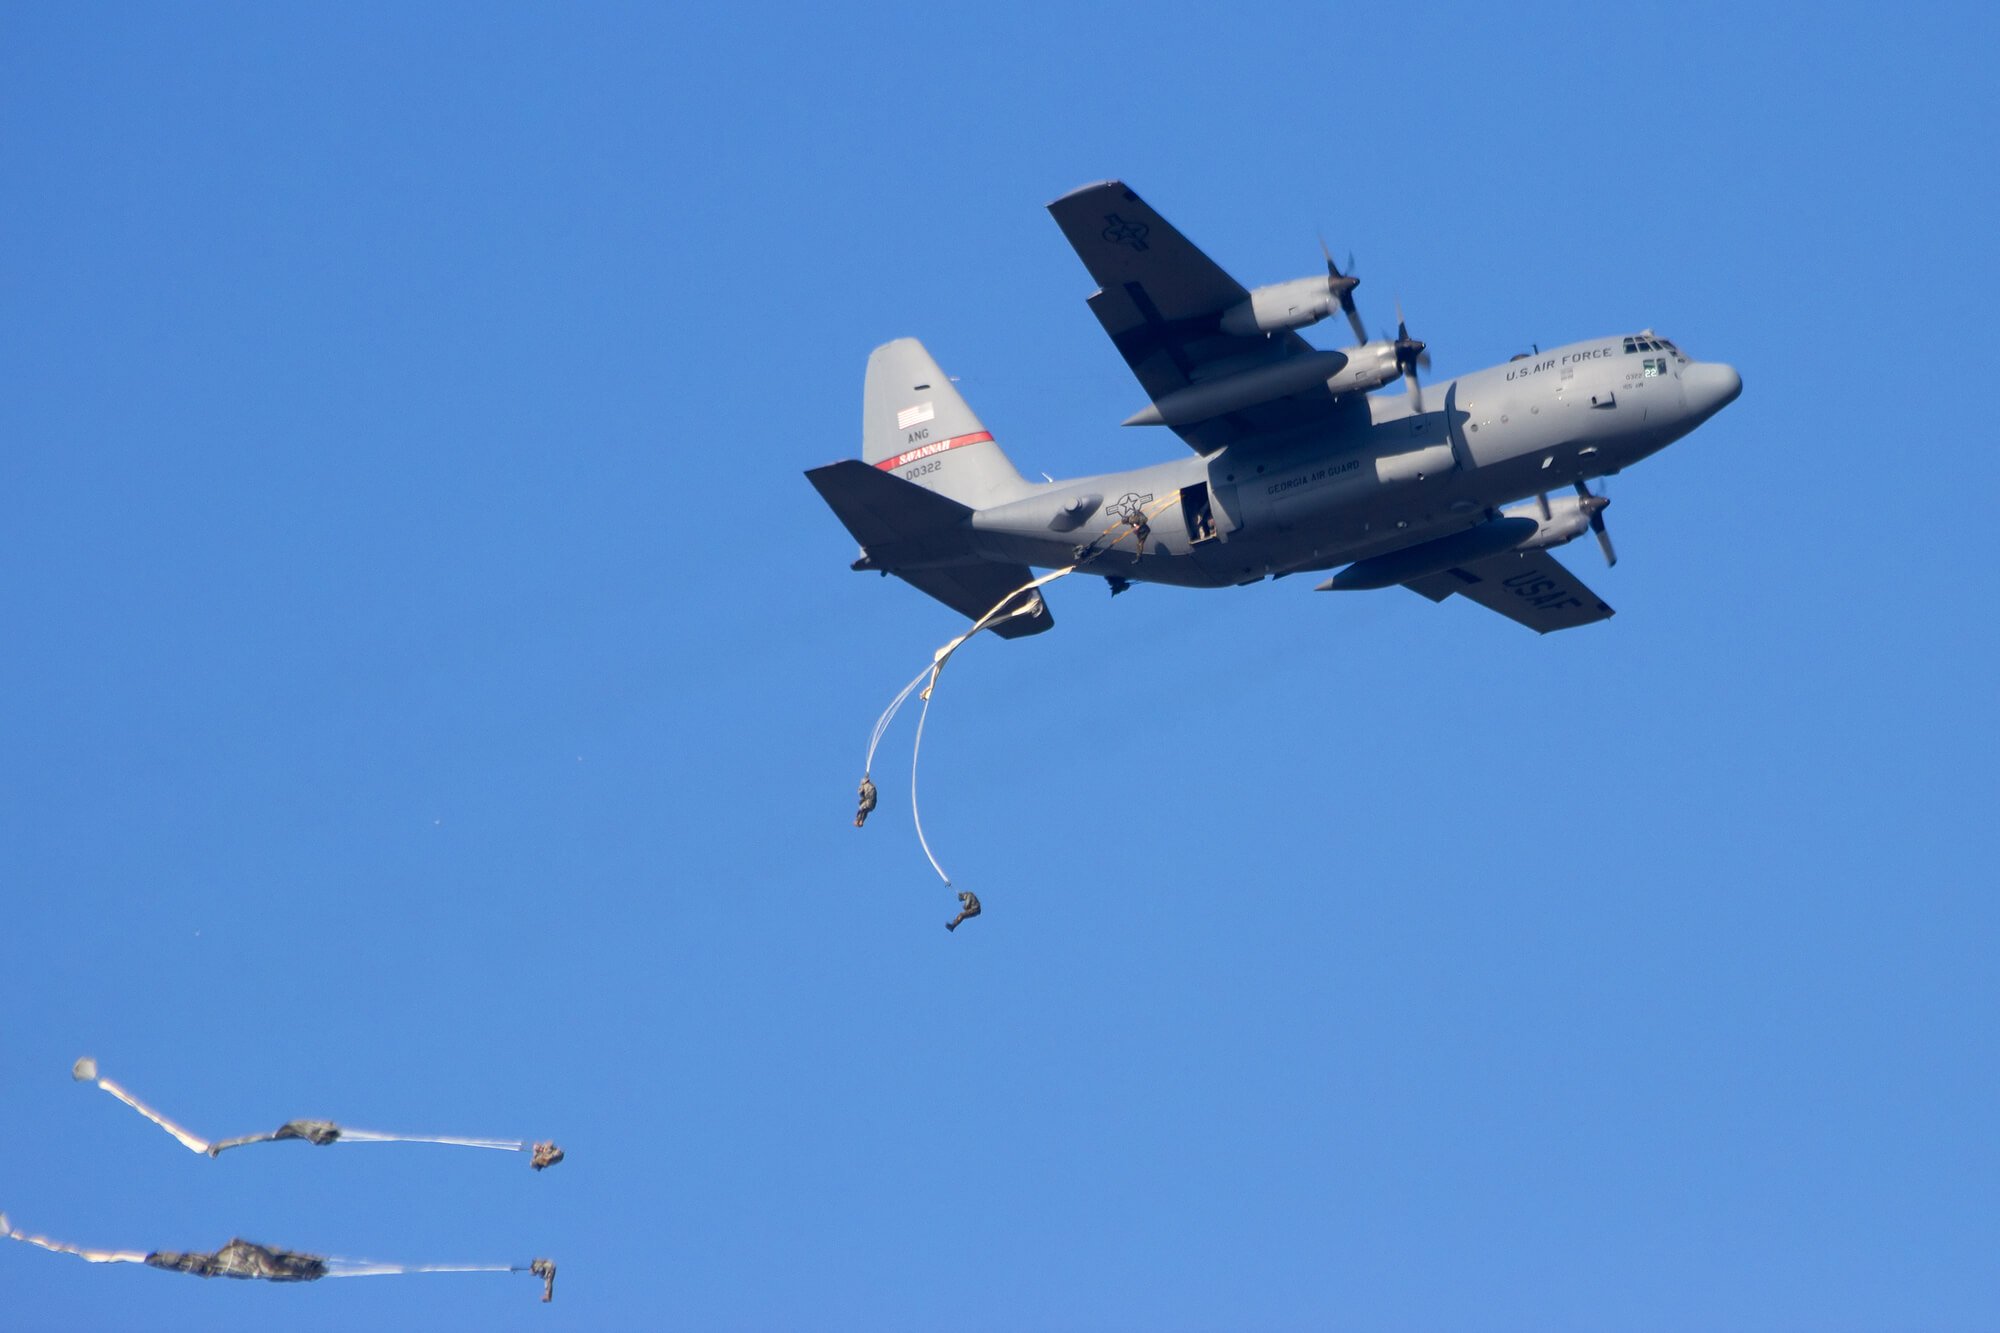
{"x": 968, "y": 907}
{"x": 542, "y": 1155}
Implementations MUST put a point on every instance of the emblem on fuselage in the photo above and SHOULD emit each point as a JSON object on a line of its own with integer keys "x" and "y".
{"x": 1129, "y": 507}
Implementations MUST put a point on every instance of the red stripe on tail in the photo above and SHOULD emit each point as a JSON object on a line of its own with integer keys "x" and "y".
{"x": 923, "y": 451}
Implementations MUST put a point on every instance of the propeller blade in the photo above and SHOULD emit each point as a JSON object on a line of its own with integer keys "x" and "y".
{"x": 1546, "y": 514}
{"x": 1333, "y": 269}
{"x": 1596, "y": 505}
{"x": 1409, "y": 356}
{"x": 1343, "y": 285}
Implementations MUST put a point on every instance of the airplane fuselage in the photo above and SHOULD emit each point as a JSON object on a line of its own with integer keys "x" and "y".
{"x": 1380, "y": 477}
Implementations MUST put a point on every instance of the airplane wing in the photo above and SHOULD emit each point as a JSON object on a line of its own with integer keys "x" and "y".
{"x": 1162, "y": 300}
{"x": 973, "y": 590}
{"x": 1529, "y": 587}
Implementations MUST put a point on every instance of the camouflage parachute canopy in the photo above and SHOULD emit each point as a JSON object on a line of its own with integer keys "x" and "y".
{"x": 317, "y": 1132}
{"x": 244, "y": 1259}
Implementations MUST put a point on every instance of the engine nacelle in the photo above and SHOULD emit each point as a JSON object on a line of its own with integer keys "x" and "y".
{"x": 1283, "y": 305}
{"x": 1368, "y": 367}
{"x": 1569, "y": 518}
{"x": 1520, "y": 528}
{"x": 1354, "y": 371}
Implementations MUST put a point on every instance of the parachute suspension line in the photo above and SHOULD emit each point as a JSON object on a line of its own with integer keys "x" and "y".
{"x": 369, "y": 1268}
{"x": 371, "y": 1136}
{"x": 545, "y": 1269}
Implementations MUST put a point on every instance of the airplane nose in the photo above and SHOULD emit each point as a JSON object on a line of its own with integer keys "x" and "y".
{"x": 1710, "y": 386}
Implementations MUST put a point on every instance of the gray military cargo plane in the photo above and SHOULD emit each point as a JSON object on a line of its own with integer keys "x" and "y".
{"x": 1297, "y": 465}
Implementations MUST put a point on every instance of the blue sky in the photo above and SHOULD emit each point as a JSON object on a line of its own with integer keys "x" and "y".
{"x": 434, "y": 696}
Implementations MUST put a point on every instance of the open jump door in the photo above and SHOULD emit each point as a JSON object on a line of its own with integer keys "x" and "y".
{"x": 1197, "y": 513}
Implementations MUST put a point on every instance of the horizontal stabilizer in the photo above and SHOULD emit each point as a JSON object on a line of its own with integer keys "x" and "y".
{"x": 881, "y": 509}
{"x": 921, "y": 538}
{"x": 974, "y": 590}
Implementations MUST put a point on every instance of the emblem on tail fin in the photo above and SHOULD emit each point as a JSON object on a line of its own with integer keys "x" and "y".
{"x": 1120, "y": 232}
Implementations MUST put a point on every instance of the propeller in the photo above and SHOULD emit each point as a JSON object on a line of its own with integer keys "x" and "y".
{"x": 1342, "y": 285}
{"x": 1409, "y": 355}
{"x": 1594, "y": 506}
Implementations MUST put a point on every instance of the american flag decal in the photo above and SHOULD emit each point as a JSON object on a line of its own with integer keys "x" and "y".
{"x": 915, "y": 416}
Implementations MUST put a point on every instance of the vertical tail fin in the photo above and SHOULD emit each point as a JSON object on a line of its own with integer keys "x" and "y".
{"x": 915, "y": 426}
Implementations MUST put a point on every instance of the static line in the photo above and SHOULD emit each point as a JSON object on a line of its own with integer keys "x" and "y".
{"x": 1087, "y": 554}
{"x": 937, "y": 669}
{"x": 916, "y": 816}
{"x": 889, "y": 716}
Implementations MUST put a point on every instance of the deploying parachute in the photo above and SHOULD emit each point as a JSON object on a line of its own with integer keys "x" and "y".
{"x": 319, "y": 1132}
{"x": 1023, "y": 601}
{"x": 246, "y": 1259}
